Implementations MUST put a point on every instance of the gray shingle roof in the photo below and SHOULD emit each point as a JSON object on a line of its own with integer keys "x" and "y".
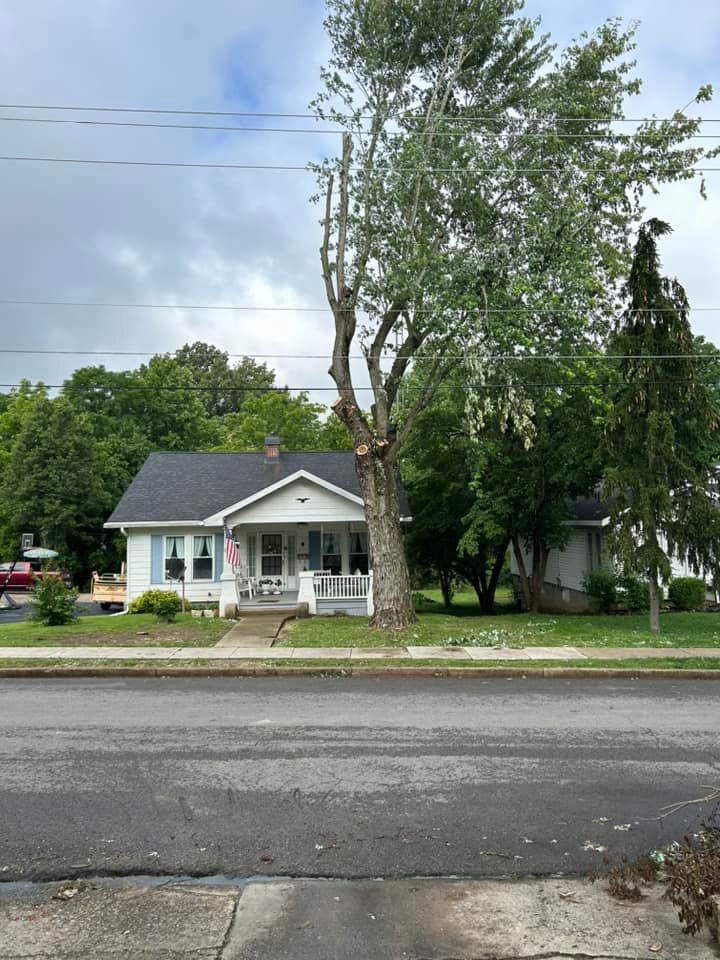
{"x": 589, "y": 508}
{"x": 193, "y": 486}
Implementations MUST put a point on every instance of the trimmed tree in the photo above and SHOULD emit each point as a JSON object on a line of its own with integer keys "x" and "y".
{"x": 659, "y": 439}
{"x": 435, "y": 222}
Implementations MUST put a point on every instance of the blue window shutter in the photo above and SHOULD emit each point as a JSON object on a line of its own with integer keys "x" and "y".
{"x": 156, "y": 558}
{"x": 314, "y": 545}
{"x": 219, "y": 552}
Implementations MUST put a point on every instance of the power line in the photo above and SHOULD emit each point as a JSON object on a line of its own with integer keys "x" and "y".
{"x": 488, "y": 358}
{"x": 252, "y": 388}
{"x": 307, "y": 167}
{"x": 552, "y": 311}
{"x": 610, "y": 135}
{"x": 312, "y": 116}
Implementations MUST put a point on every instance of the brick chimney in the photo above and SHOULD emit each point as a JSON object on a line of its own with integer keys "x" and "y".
{"x": 271, "y": 449}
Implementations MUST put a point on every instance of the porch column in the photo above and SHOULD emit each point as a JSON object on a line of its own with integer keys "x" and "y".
{"x": 228, "y": 596}
{"x": 306, "y": 591}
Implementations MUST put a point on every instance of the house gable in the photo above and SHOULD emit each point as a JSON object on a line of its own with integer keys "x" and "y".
{"x": 299, "y": 498}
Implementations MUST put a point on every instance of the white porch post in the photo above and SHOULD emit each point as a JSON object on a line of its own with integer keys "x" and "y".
{"x": 228, "y": 597}
{"x": 306, "y": 591}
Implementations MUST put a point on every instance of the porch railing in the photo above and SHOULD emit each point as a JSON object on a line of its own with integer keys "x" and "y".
{"x": 342, "y": 587}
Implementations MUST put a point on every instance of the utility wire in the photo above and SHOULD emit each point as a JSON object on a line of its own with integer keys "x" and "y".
{"x": 251, "y": 388}
{"x": 489, "y": 358}
{"x": 308, "y": 168}
{"x": 610, "y": 135}
{"x": 312, "y": 116}
{"x": 551, "y": 311}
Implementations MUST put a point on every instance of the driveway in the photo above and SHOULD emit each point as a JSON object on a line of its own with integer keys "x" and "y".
{"x": 86, "y": 608}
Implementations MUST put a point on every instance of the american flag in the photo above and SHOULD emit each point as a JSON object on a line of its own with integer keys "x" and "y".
{"x": 232, "y": 553}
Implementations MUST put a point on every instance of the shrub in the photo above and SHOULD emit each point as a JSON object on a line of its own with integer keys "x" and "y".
{"x": 692, "y": 871}
{"x": 687, "y": 593}
{"x": 601, "y": 586}
{"x": 163, "y": 603}
{"x": 52, "y": 602}
{"x": 633, "y": 592}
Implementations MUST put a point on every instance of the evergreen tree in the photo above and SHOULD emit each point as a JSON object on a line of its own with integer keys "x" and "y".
{"x": 659, "y": 438}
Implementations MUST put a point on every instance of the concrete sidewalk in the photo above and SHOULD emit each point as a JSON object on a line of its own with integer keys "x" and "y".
{"x": 299, "y": 654}
{"x": 337, "y": 920}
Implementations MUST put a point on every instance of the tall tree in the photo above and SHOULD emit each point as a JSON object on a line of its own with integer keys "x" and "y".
{"x": 225, "y": 386}
{"x": 659, "y": 438}
{"x": 435, "y": 218}
{"x": 299, "y": 423}
{"x": 50, "y": 483}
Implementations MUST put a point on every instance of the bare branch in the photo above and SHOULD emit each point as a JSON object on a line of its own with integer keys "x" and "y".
{"x": 325, "y": 247}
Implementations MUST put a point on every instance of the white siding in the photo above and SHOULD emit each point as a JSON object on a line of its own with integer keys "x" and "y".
{"x": 139, "y": 548}
{"x": 565, "y": 568}
{"x": 283, "y": 506}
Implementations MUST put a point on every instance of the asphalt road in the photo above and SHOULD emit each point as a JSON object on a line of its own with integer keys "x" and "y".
{"x": 346, "y": 778}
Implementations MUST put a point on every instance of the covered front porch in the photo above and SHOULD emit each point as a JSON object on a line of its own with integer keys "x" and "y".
{"x": 280, "y": 565}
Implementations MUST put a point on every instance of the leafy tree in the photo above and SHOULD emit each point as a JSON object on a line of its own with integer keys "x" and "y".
{"x": 225, "y": 387}
{"x": 50, "y": 481}
{"x": 662, "y": 467}
{"x": 439, "y": 221}
{"x": 536, "y": 453}
{"x": 298, "y": 422}
{"x": 438, "y": 465}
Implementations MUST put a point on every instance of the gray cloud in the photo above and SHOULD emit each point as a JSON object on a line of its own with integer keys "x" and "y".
{"x": 192, "y": 236}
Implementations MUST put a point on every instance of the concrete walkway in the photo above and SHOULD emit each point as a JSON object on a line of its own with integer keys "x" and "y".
{"x": 327, "y": 919}
{"x": 254, "y": 630}
{"x": 258, "y": 648}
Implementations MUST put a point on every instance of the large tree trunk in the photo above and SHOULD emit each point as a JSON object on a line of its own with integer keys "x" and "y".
{"x": 522, "y": 572}
{"x": 392, "y": 596}
{"x": 654, "y": 605}
{"x": 445, "y": 587}
{"x": 539, "y": 566}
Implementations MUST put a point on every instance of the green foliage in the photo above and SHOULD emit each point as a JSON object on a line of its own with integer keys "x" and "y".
{"x": 224, "y": 387}
{"x": 53, "y": 603}
{"x": 165, "y": 604}
{"x": 662, "y": 431}
{"x": 601, "y": 586}
{"x": 632, "y": 593}
{"x": 299, "y": 423}
{"x": 687, "y": 593}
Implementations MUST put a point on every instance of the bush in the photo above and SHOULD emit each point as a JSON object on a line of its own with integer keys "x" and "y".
{"x": 687, "y": 593}
{"x": 633, "y": 592}
{"x": 163, "y": 603}
{"x": 52, "y": 602}
{"x": 601, "y": 587}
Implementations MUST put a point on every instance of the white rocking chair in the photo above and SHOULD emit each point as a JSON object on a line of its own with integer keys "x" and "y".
{"x": 244, "y": 584}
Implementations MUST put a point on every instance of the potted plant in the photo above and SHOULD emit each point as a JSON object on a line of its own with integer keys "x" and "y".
{"x": 277, "y": 588}
{"x": 265, "y": 585}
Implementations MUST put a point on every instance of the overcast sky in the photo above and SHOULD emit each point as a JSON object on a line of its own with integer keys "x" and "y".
{"x": 157, "y": 235}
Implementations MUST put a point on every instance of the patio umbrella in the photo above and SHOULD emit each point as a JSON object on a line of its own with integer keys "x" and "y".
{"x": 40, "y": 553}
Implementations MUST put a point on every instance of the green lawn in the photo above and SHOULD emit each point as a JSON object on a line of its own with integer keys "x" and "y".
{"x": 436, "y": 626}
{"x": 137, "y": 630}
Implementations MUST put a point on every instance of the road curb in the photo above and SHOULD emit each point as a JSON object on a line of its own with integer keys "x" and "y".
{"x": 452, "y": 673}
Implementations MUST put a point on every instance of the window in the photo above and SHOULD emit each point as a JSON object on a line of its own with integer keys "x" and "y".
{"x": 203, "y": 558}
{"x": 331, "y": 556}
{"x": 359, "y": 552}
{"x": 251, "y": 555}
{"x": 271, "y": 557}
{"x": 174, "y": 557}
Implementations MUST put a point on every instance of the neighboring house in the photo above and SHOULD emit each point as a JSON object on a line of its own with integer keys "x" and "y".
{"x": 296, "y": 518}
{"x": 585, "y": 551}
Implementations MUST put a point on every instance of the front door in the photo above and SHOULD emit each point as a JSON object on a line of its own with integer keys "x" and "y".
{"x": 271, "y": 557}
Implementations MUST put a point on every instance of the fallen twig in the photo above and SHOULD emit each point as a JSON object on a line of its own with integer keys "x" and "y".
{"x": 671, "y": 808}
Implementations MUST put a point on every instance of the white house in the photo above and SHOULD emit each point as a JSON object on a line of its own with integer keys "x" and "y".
{"x": 297, "y": 520}
{"x": 585, "y": 551}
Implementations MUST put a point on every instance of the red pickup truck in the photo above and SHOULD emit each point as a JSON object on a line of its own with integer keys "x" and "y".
{"x": 21, "y": 576}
